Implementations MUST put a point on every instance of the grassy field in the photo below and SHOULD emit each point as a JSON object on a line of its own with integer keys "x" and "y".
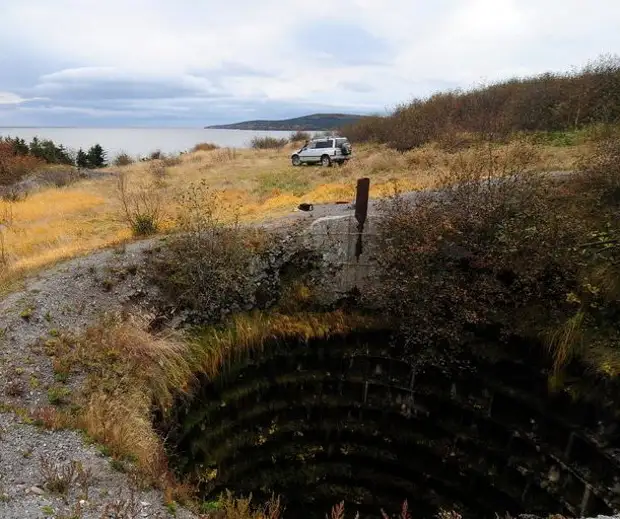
{"x": 54, "y": 224}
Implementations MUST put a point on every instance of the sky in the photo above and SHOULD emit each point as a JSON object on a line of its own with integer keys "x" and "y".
{"x": 192, "y": 63}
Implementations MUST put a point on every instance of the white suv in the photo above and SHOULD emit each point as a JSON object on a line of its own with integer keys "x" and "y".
{"x": 325, "y": 151}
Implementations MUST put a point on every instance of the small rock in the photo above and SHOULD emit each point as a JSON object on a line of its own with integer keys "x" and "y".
{"x": 36, "y": 490}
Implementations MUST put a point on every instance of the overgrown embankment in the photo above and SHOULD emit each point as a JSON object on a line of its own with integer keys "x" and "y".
{"x": 556, "y": 108}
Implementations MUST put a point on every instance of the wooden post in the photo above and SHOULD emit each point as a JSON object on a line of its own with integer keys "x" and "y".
{"x": 361, "y": 211}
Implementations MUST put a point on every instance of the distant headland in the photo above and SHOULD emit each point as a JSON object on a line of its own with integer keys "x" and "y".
{"x": 314, "y": 122}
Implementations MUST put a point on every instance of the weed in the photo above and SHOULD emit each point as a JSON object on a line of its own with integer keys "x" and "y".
{"x": 244, "y": 508}
{"x": 172, "y": 508}
{"x": 60, "y": 478}
{"x": 61, "y": 376}
{"x": 75, "y": 512}
{"x": 51, "y": 418}
{"x": 27, "y": 313}
{"x": 14, "y": 388}
{"x": 126, "y": 506}
{"x": 57, "y": 395}
{"x": 142, "y": 206}
{"x": 118, "y": 465}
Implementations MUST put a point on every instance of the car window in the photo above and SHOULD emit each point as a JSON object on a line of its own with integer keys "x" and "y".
{"x": 340, "y": 142}
{"x": 325, "y": 144}
{"x": 311, "y": 145}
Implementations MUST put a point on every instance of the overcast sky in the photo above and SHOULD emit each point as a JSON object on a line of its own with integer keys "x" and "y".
{"x": 198, "y": 62}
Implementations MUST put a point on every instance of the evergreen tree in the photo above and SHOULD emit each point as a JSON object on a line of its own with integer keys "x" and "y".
{"x": 96, "y": 157}
{"x": 19, "y": 145}
{"x": 35, "y": 148}
{"x": 64, "y": 156}
{"x": 81, "y": 159}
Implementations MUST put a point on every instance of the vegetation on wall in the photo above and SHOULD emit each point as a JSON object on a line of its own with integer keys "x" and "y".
{"x": 502, "y": 252}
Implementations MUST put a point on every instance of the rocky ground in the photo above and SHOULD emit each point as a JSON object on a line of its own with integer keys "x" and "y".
{"x": 59, "y": 474}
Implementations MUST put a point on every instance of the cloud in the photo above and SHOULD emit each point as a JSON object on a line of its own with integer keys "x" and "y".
{"x": 9, "y": 98}
{"x": 201, "y": 62}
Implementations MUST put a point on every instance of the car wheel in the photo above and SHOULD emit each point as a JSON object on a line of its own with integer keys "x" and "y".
{"x": 296, "y": 160}
{"x": 326, "y": 161}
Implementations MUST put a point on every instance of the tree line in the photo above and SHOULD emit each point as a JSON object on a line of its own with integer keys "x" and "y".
{"x": 47, "y": 151}
{"x": 549, "y": 102}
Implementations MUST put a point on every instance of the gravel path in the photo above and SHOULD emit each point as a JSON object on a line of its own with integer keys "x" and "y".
{"x": 67, "y": 297}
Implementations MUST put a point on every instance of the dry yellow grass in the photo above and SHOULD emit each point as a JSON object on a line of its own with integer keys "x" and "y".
{"x": 130, "y": 370}
{"x": 60, "y": 223}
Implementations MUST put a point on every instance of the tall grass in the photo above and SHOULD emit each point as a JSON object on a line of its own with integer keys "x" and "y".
{"x": 130, "y": 370}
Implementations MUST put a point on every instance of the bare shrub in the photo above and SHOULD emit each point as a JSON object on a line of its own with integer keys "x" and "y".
{"x": 207, "y": 269}
{"x": 157, "y": 170}
{"x": 142, "y": 205}
{"x": 483, "y": 252}
{"x": 13, "y": 167}
{"x": 300, "y": 136}
{"x": 58, "y": 176}
{"x": 267, "y": 142}
{"x": 14, "y": 193}
{"x": 123, "y": 159}
{"x": 225, "y": 155}
{"x": 60, "y": 478}
{"x": 205, "y": 146}
{"x": 14, "y": 388}
{"x": 545, "y": 103}
{"x": 499, "y": 253}
{"x": 172, "y": 161}
{"x": 125, "y": 506}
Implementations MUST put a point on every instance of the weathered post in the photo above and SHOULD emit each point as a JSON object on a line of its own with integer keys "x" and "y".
{"x": 361, "y": 212}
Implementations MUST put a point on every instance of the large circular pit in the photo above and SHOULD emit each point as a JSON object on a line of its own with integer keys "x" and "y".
{"x": 323, "y": 421}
